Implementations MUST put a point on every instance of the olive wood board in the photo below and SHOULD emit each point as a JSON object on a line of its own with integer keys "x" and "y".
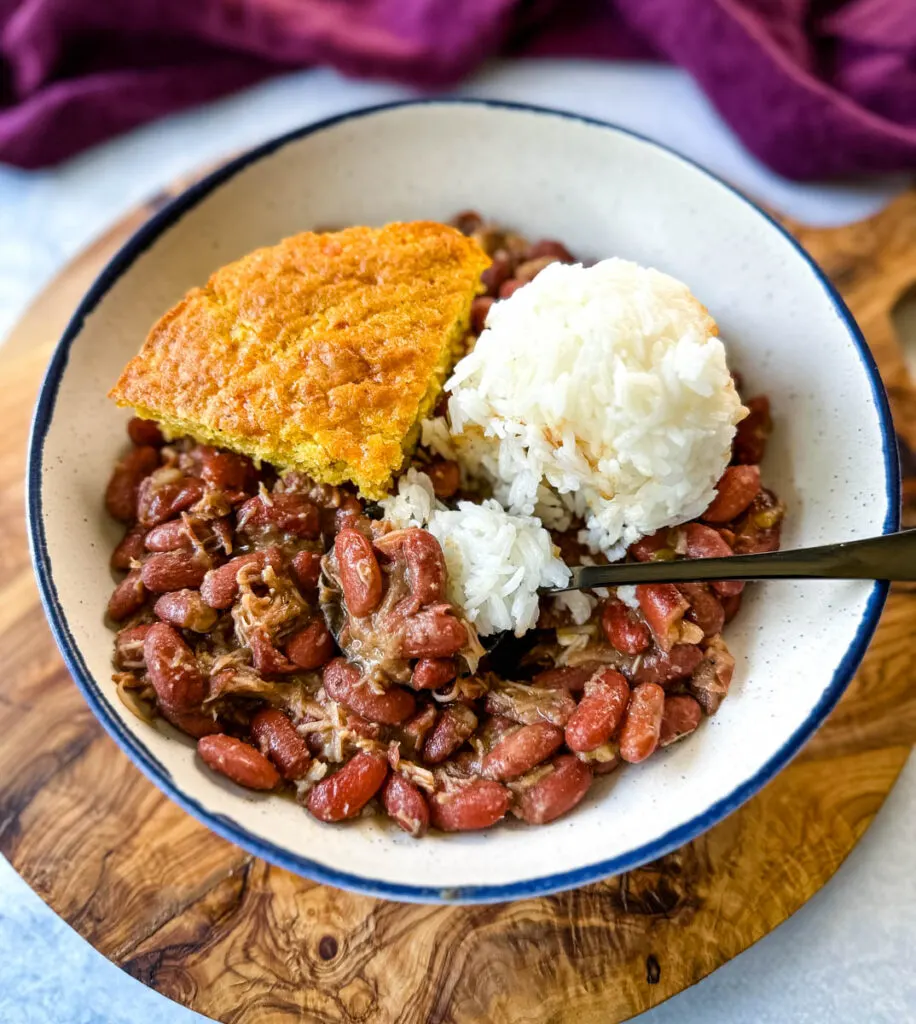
{"x": 239, "y": 940}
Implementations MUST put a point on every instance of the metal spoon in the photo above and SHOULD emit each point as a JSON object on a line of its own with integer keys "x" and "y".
{"x": 891, "y": 557}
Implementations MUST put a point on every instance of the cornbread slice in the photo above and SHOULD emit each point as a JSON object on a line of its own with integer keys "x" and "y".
{"x": 321, "y": 353}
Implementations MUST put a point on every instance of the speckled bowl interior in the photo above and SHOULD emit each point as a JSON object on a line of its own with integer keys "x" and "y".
{"x": 604, "y": 192}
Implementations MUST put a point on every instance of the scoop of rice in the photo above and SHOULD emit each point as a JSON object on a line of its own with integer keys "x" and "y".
{"x": 599, "y": 391}
{"x": 496, "y": 561}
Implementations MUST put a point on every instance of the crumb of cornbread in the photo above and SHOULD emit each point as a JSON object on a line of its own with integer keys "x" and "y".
{"x": 321, "y": 353}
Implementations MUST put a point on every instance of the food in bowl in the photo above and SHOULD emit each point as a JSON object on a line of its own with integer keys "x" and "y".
{"x": 315, "y": 639}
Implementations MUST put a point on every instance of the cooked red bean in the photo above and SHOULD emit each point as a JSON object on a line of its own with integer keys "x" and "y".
{"x": 238, "y": 761}
{"x": 145, "y": 432}
{"x": 431, "y": 673}
{"x": 343, "y": 683}
{"x": 480, "y": 308}
{"x": 666, "y": 666}
{"x": 470, "y": 806}
{"x": 731, "y": 605}
{"x": 187, "y": 610}
{"x": 599, "y": 712}
{"x": 171, "y": 536}
{"x": 433, "y": 633}
{"x": 129, "y": 648}
{"x": 278, "y": 740}
{"x": 422, "y": 554}
{"x": 312, "y": 646}
{"x": 753, "y": 431}
{"x": 173, "y": 669}
{"x": 128, "y": 597}
{"x": 656, "y": 547}
{"x": 522, "y": 750}
{"x": 345, "y": 793}
{"x": 705, "y": 542}
{"x": 681, "y": 716}
{"x": 759, "y": 529}
{"x": 306, "y": 569}
{"x": 734, "y": 493}
{"x": 454, "y": 725}
{"x": 642, "y": 722}
{"x": 664, "y": 606}
{"x": 712, "y": 677}
{"x": 288, "y": 513}
{"x": 226, "y": 470}
{"x": 360, "y": 575}
{"x": 556, "y": 793}
{"x": 624, "y": 629}
{"x": 406, "y": 805}
{"x": 192, "y": 723}
{"x": 467, "y": 222}
{"x": 267, "y": 658}
{"x": 706, "y": 610}
{"x": 129, "y": 473}
{"x": 497, "y": 272}
{"x": 530, "y": 268}
{"x": 416, "y": 730}
{"x": 446, "y": 478}
{"x": 157, "y": 502}
{"x": 510, "y": 287}
{"x": 174, "y": 570}
{"x": 572, "y": 678}
{"x": 550, "y": 247}
{"x": 130, "y": 549}
{"x": 220, "y": 587}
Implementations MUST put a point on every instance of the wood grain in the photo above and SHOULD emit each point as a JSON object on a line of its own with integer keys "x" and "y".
{"x": 241, "y": 941}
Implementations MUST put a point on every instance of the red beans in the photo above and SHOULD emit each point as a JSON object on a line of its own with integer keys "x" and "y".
{"x": 306, "y": 568}
{"x": 121, "y": 495}
{"x": 360, "y": 575}
{"x": 226, "y": 470}
{"x": 681, "y": 716}
{"x": 345, "y": 793}
{"x": 663, "y": 606}
{"x": 311, "y": 647}
{"x": 642, "y": 724}
{"x": 599, "y": 712}
{"x": 445, "y": 477}
{"x": 173, "y": 570}
{"x": 431, "y": 673}
{"x": 238, "y": 761}
{"x": 704, "y": 542}
{"x": 706, "y": 610}
{"x": 470, "y": 806}
{"x": 454, "y": 725}
{"x": 157, "y": 502}
{"x": 173, "y": 669}
{"x": 171, "y": 536}
{"x": 131, "y": 548}
{"x": 406, "y": 805}
{"x": 424, "y": 560}
{"x": 624, "y": 630}
{"x": 734, "y": 493}
{"x": 289, "y": 513}
{"x": 665, "y": 667}
{"x": 186, "y": 609}
{"x": 128, "y": 597}
{"x": 129, "y": 648}
{"x": 220, "y": 587}
{"x": 522, "y": 750}
{"x": 278, "y": 740}
{"x": 480, "y": 307}
{"x": 433, "y": 633}
{"x": 343, "y": 683}
{"x": 572, "y": 678}
{"x": 753, "y": 431}
{"x": 556, "y": 793}
{"x": 145, "y": 432}
{"x": 550, "y": 247}
{"x": 267, "y": 658}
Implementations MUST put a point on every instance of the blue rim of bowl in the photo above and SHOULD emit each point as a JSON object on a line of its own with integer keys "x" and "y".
{"x": 231, "y": 830}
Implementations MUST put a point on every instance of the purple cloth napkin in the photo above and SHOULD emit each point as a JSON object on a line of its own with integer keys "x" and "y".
{"x": 812, "y": 87}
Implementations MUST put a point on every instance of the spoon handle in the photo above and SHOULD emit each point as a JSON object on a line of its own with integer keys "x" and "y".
{"x": 891, "y": 557}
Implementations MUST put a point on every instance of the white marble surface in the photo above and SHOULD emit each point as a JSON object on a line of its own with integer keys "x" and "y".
{"x": 844, "y": 956}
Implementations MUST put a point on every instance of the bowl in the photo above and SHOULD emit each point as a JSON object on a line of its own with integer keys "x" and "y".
{"x": 603, "y": 191}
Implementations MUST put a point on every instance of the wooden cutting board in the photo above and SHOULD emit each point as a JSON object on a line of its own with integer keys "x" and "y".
{"x": 232, "y": 937}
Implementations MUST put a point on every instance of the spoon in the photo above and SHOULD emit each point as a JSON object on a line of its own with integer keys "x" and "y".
{"x": 891, "y": 557}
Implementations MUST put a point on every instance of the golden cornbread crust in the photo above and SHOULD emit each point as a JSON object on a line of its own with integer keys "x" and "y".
{"x": 321, "y": 353}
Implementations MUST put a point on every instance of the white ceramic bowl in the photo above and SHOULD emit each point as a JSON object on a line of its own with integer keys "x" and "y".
{"x": 604, "y": 192}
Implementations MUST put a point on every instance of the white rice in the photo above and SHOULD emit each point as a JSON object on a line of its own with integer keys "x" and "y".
{"x": 496, "y": 561}
{"x": 600, "y": 392}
